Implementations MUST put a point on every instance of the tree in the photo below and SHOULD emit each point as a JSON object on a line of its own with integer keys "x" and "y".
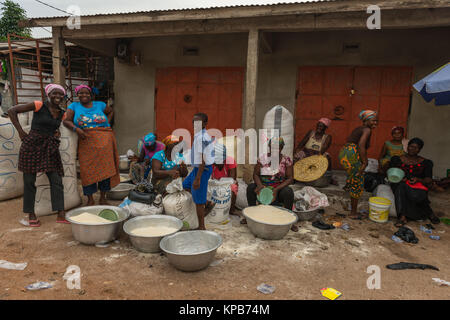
{"x": 11, "y": 14}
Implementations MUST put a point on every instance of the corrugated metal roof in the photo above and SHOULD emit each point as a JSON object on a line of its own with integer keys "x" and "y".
{"x": 193, "y": 9}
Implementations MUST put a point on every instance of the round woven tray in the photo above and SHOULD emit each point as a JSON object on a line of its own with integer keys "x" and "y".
{"x": 310, "y": 168}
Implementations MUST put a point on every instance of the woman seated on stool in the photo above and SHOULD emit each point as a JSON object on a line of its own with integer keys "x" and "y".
{"x": 411, "y": 194}
{"x": 140, "y": 166}
{"x": 315, "y": 142}
{"x": 167, "y": 166}
{"x": 279, "y": 179}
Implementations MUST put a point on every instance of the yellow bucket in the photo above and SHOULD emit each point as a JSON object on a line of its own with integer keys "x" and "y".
{"x": 379, "y": 209}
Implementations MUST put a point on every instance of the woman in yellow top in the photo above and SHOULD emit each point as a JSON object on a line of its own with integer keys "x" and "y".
{"x": 392, "y": 148}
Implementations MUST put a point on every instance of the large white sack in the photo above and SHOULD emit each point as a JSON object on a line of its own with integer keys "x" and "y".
{"x": 179, "y": 203}
{"x": 310, "y": 198}
{"x": 11, "y": 180}
{"x": 219, "y": 193}
{"x": 280, "y": 118}
{"x": 385, "y": 191}
{"x": 137, "y": 209}
{"x": 241, "y": 198}
{"x": 72, "y": 199}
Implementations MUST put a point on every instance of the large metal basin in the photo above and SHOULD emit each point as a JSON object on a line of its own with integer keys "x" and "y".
{"x": 96, "y": 233}
{"x": 150, "y": 244}
{"x": 191, "y": 250}
{"x": 120, "y": 191}
{"x": 269, "y": 231}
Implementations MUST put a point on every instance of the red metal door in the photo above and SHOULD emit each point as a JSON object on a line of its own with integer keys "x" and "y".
{"x": 340, "y": 93}
{"x": 182, "y": 92}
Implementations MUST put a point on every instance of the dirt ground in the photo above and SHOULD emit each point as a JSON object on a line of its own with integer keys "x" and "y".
{"x": 298, "y": 266}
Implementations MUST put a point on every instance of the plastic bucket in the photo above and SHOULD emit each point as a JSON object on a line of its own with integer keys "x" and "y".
{"x": 379, "y": 209}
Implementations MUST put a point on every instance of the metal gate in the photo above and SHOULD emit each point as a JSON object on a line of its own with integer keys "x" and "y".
{"x": 31, "y": 65}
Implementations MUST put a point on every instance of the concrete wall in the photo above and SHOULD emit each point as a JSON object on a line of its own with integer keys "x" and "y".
{"x": 134, "y": 86}
{"x": 424, "y": 49}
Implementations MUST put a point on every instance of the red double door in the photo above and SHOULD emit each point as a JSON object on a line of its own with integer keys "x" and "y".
{"x": 183, "y": 91}
{"x": 340, "y": 93}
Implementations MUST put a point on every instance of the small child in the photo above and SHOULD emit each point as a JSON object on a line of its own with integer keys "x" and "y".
{"x": 392, "y": 148}
{"x": 202, "y": 158}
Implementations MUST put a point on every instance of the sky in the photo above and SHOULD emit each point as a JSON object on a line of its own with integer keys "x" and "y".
{"x": 36, "y": 9}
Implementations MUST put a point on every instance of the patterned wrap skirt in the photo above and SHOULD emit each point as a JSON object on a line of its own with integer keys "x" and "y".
{"x": 40, "y": 153}
{"x": 350, "y": 159}
{"x": 98, "y": 157}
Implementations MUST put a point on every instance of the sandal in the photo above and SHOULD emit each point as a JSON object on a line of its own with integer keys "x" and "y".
{"x": 244, "y": 221}
{"x": 434, "y": 219}
{"x": 294, "y": 228}
{"x": 34, "y": 223}
{"x": 62, "y": 221}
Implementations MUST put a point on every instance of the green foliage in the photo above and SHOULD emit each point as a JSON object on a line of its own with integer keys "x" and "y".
{"x": 11, "y": 14}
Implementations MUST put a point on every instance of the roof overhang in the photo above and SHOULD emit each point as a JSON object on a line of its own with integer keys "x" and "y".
{"x": 234, "y": 12}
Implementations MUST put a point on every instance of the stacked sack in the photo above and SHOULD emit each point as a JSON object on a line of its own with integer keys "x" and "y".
{"x": 11, "y": 180}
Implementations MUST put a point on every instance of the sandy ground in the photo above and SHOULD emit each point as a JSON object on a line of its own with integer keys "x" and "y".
{"x": 298, "y": 266}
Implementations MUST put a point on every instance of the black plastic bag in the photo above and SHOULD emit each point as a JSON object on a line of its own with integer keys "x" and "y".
{"x": 407, "y": 235}
{"x": 372, "y": 180}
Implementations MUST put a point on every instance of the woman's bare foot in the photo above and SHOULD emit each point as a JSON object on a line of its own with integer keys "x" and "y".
{"x": 401, "y": 222}
{"x": 103, "y": 202}
{"x": 91, "y": 201}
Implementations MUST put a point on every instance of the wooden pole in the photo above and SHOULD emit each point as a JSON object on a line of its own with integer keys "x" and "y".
{"x": 59, "y": 71}
{"x": 251, "y": 80}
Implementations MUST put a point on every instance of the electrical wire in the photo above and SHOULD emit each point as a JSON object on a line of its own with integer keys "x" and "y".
{"x": 50, "y": 6}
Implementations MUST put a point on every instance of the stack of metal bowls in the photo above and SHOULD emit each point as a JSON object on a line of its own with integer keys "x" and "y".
{"x": 191, "y": 250}
{"x": 120, "y": 191}
{"x": 150, "y": 244}
{"x": 96, "y": 233}
{"x": 269, "y": 231}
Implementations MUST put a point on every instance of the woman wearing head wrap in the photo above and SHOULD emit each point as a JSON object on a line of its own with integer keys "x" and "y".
{"x": 353, "y": 157}
{"x": 277, "y": 177}
{"x": 393, "y": 147}
{"x": 167, "y": 164}
{"x": 226, "y": 167}
{"x": 315, "y": 142}
{"x": 39, "y": 151}
{"x": 97, "y": 147}
{"x": 411, "y": 194}
{"x": 140, "y": 166}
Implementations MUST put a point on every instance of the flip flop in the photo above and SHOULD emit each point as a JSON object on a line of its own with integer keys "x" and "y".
{"x": 34, "y": 223}
{"x": 62, "y": 221}
{"x": 294, "y": 228}
{"x": 244, "y": 221}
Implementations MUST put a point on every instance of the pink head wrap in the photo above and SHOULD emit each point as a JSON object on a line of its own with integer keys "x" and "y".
{"x": 52, "y": 86}
{"x": 325, "y": 121}
{"x": 82, "y": 86}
